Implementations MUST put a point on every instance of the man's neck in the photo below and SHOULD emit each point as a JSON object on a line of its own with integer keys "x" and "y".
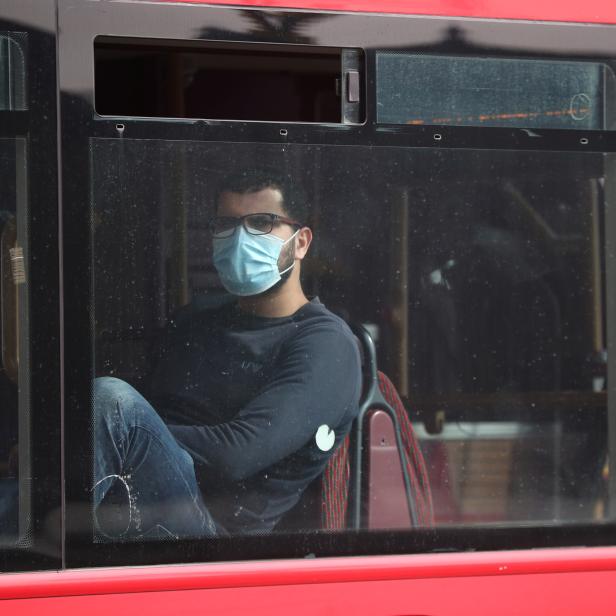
{"x": 282, "y": 302}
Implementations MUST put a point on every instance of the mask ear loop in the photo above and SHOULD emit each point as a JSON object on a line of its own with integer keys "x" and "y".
{"x": 292, "y": 264}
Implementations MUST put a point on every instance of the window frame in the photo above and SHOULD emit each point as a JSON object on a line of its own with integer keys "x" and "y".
{"x": 81, "y": 22}
{"x": 37, "y": 127}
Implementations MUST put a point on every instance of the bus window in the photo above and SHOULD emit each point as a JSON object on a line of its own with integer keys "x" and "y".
{"x": 30, "y": 442}
{"x": 15, "y": 475}
{"x": 474, "y": 256}
{"x": 463, "y": 91}
{"x": 12, "y": 71}
{"x": 480, "y": 275}
{"x": 227, "y": 81}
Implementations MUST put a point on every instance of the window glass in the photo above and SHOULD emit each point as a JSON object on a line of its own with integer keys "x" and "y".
{"x": 15, "y": 475}
{"x": 478, "y": 274}
{"x": 226, "y": 81}
{"x": 13, "y": 71}
{"x": 463, "y": 91}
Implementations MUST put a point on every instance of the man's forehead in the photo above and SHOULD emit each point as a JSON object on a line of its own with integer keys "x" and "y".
{"x": 238, "y": 204}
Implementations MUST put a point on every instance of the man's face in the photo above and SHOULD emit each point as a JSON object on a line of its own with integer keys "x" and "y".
{"x": 268, "y": 200}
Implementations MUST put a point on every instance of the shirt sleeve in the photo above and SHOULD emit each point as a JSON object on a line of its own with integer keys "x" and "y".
{"x": 317, "y": 380}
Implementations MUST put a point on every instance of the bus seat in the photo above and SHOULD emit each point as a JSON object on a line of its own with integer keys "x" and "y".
{"x": 377, "y": 478}
{"x": 384, "y": 496}
{"x": 386, "y": 503}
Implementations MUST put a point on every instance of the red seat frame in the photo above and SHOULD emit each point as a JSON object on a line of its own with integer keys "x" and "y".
{"x": 377, "y": 478}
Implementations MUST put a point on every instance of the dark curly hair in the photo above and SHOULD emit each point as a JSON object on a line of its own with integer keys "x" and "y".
{"x": 294, "y": 200}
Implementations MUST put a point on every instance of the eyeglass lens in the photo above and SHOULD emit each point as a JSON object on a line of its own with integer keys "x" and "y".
{"x": 256, "y": 224}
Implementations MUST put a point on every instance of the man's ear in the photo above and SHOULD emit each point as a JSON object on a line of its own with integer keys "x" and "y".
{"x": 302, "y": 242}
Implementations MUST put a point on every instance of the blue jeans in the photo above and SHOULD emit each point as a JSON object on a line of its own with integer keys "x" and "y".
{"x": 144, "y": 482}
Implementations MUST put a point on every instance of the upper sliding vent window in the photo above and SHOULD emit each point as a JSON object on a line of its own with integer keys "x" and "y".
{"x": 518, "y": 93}
{"x": 227, "y": 81}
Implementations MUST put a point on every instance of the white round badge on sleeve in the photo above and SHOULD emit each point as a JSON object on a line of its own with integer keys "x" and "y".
{"x": 325, "y": 438}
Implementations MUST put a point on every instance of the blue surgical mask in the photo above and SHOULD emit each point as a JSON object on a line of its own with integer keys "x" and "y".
{"x": 248, "y": 264}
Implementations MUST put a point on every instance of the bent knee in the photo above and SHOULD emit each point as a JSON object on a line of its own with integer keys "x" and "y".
{"x": 114, "y": 400}
{"x": 112, "y": 388}
{"x": 111, "y": 393}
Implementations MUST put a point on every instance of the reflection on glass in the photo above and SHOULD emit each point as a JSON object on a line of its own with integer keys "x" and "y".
{"x": 13, "y": 71}
{"x": 15, "y": 476}
{"x": 479, "y": 276}
{"x": 421, "y": 89}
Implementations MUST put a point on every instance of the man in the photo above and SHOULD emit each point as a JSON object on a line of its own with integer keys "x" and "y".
{"x": 251, "y": 398}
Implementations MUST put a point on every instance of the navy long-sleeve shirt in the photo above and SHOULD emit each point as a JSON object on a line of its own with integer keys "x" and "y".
{"x": 260, "y": 404}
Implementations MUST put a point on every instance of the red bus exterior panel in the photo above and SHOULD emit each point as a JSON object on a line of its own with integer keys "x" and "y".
{"x": 574, "y": 582}
{"x": 551, "y": 581}
{"x": 596, "y": 11}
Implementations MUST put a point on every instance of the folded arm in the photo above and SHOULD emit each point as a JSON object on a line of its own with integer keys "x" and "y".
{"x": 318, "y": 381}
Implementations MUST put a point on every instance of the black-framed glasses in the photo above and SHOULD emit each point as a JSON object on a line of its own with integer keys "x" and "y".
{"x": 255, "y": 224}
